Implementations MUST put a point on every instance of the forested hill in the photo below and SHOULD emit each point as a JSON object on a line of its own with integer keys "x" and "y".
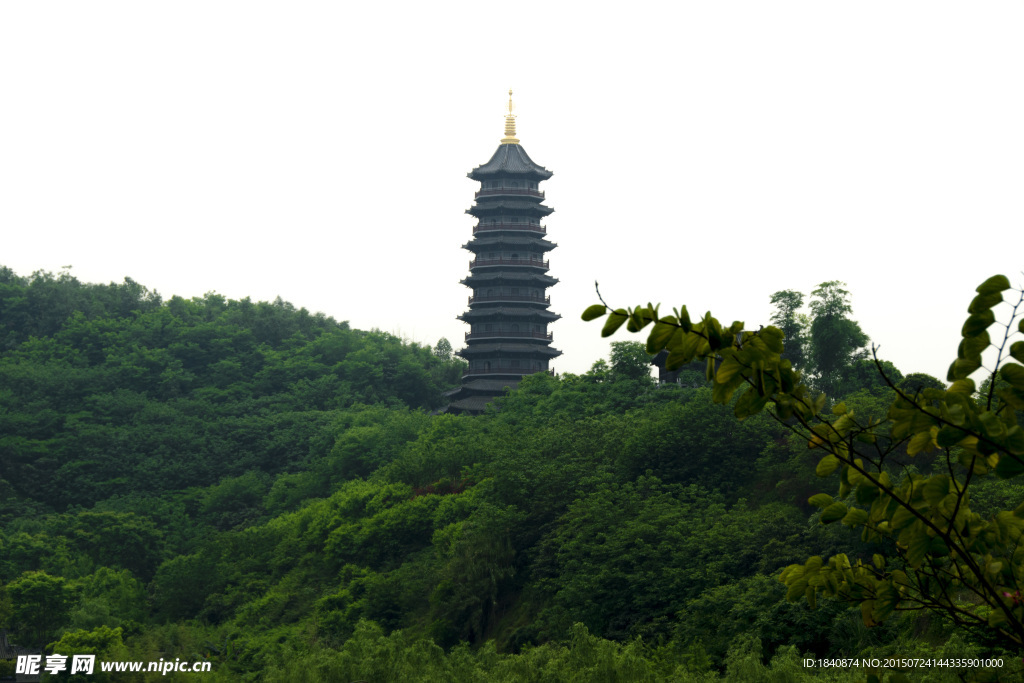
{"x": 105, "y": 390}
{"x": 265, "y": 489}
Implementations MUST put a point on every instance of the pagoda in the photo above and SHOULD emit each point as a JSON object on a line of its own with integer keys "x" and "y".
{"x": 508, "y": 309}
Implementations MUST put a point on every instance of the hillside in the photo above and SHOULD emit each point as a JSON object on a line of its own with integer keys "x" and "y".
{"x": 263, "y": 488}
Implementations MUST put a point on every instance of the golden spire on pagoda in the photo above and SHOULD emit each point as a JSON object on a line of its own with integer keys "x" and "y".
{"x": 510, "y": 124}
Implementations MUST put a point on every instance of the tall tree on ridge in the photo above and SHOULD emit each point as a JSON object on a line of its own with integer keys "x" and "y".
{"x": 793, "y": 325}
{"x": 836, "y": 341}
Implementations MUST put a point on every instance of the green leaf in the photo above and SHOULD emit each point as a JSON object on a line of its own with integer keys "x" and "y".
{"x": 855, "y": 517}
{"x": 827, "y": 465}
{"x": 935, "y": 489}
{"x": 866, "y": 493}
{"x": 1014, "y": 441}
{"x": 917, "y": 548}
{"x": 901, "y": 518}
{"x": 594, "y": 312}
{"x": 885, "y": 601}
{"x": 962, "y": 367}
{"x": 833, "y": 513}
{"x": 772, "y": 337}
{"x": 1017, "y": 350}
{"x": 1009, "y": 466}
{"x": 820, "y": 500}
{"x": 996, "y": 283}
{"x": 985, "y": 301}
{"x": 1014, "y": 374}
{"x": 919, "y": 442}
{"x": 691, "y": 343}
{"x": 729, "y": 367}
{"x": 972, "y": 347}
{"x": 963, "y": 386}
{"x": 991, "y": 426}
{"x": 659, "y": 337}
{"x": 949, "y": 436}
{"x": 866, "y": 608}
{"x": 722, "y": 392}
{"x": 614, "y": 322}
{"x": 714, "y": 332}
{"x": 879, "y": 560}
{"x": 977, "y": 323}
{"x": 796, "y": 590}
{"x": 749, "y": 403}
{"x": 636, "y": 321}
{"x": 938, "y": 547}
{"x": 684, "y": 320}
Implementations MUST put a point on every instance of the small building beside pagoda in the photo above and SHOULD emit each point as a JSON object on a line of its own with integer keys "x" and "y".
{"x": 508, "y": 277}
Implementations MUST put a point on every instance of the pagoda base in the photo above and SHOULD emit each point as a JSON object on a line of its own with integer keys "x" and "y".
{"x": 473, "y": 396}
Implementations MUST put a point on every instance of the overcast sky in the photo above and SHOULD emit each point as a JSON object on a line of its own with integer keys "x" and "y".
{"x": 705, "y": 153}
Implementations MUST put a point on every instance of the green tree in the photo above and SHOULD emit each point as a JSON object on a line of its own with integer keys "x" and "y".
{"x": 917, "y": 381}
{"x": 630, "y": 361}
{"x": 39, "y": 606}
{"x": 793, "y": 325}
{"x": 941, "y": 556}
{"x": 103, "y": 641}
{"x": 864, "y": 374}
{"x": 443, "y": 350}
{"x": 835, "y": 340}
{"x": 118, "y": 539}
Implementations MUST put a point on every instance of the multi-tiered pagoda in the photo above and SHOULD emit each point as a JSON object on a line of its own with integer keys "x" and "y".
{"x": 508, "y": 308}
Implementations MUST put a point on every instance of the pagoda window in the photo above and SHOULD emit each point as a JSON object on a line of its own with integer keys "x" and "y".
{"x": 487, "y": 365}
{"x": 487, "y": 327}
{"x": 515, "y": 327}
{"x": 515, "y": 291}
{"x": 490, "y": 292}
{"x": 515, "y": 219}
{"x": 515, "y": 256}
{"x": 514, "y": 363}
{"x": 514, "y": 185}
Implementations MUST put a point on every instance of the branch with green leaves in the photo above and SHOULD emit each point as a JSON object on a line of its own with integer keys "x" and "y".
{"x": 941, "y": 556}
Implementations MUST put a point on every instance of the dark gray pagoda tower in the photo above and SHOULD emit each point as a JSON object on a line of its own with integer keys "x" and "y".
{"x": 508, "y": 308}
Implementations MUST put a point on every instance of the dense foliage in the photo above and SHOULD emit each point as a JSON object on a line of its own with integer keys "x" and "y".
{"x": 936, "y": 554}
{"x": 267, "y": 489}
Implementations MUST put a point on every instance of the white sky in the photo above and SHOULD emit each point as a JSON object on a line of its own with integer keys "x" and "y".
{"x": 704, "y": 153}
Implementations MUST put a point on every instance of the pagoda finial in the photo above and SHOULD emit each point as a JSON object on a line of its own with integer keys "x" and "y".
{"x": 510, "y": 124}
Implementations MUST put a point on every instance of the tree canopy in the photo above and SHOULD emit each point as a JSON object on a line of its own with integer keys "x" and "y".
{"x": 268, "y": 490}
{"x": 935, "y": 549}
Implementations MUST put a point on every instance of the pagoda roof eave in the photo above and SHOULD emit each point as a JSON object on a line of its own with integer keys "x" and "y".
{"x": 477, "y": 279}
{"x": 490, "y": 241}
{"x": 510, "y": 311}
{"x": 487, "y": 207}
{"x": 510, "y": 159}
{"x": 509, "y": 347}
